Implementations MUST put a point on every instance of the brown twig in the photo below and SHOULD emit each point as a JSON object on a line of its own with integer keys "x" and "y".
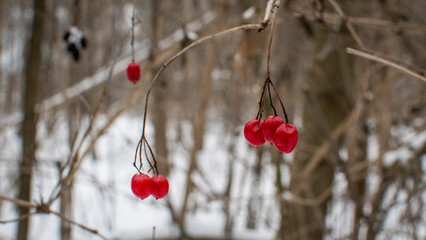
{"x": 43, "y": 208}
{"x": 271, "y": 35}
{"x": 262, "y": 100}
{"x": 387, "y": 62}
{"x": 25, "y": 216}
{"x": 92, "y": 230}
{"x": 18, "y": 202}
{"x": 132, "y": 42}
{"x": 361, "y": 21}
{"x": 266, "y": 87}
{"x": 170, "y": 60}
{"x": 281, "y": 102}
{"x": 270, "y": 100}
{"x": 268, "y": 11}
{"x": 348, "y": 24}
{"x": 75, "y": 160}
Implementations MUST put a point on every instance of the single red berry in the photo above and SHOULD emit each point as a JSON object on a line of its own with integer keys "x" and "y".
{"x": 142, "y": 185}
{"x": 161, "y": 186}
{"x": 133, "y": 72}
{"x": 269, "y": 126}
{"x": 253, "y": 132}
{"x": 285, "y": 138}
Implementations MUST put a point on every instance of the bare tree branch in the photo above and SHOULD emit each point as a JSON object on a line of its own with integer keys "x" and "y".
{"x": 354, "y": 34}
{"x": 43, "y": 208}
{"x": 387, "y": 62}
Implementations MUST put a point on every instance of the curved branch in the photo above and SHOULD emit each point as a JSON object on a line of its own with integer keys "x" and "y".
{"x": 197, "y": 42}
{"x": 386, "y": 62}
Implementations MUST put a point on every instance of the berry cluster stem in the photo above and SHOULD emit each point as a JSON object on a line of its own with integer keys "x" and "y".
{"x": 132, "y": 42}
{"x": 267, "y": 88}
{"x": 143, "y": 149}
{"x": 273, "y": 10}
{"x": 268, "y": 83}
{"x": 143, "y": 146}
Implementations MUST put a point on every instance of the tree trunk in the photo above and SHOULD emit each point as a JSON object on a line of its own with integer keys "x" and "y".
{"x": 73, "y": 114}
{"x": 326, "y": 105}
{"x": 199, "y": 125}
{"x": 159, "y": 108}
{"x": 29, "y": 124}
{"x": 199, "y": 121}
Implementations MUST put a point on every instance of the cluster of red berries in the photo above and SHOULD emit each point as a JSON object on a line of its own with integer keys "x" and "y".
{"x": 274, "y": 130}
{"x": 143, "y": 186}
{"x": 133, "y": 72}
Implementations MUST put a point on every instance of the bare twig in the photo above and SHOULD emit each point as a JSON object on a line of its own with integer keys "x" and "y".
{"x": 168, "y": 62}
{"x": 18, "y": 202}
{"x": 268, "y": 11}
{"x": 25, "y": 216}
{"x": 361, "y": 21}
{"x": 44, "y": 208}
{"x": 281, "y": 102}
{"x": 271, "y": 35}
{"x": 386, "y": 62}
{"x": 92, "y": 230}
{"x": 348, "y": 24}
{"x": 74, "y": 161}
{"x": 132, "y": 42}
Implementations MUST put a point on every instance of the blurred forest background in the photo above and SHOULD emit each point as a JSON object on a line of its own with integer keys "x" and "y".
{"x": 68, "y": 130}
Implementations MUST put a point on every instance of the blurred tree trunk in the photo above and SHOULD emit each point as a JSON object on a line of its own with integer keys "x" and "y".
{"x": 199, "y": 124}
{"x": 159, "y": 108}
{"x": 72, "y": 111}
{"x": 66, "y": 194}
{"x": 255, "y": 205}
{"x": 325, "y": 94}
{"x": 199, "y": 121}
{"x": 29, "y": 124}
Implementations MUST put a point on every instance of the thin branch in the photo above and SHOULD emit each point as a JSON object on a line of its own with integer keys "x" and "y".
{"x": 18, "y": 202}
{"x": 197, "y": 42}
{"x": 386, "y": 62}
{"x": 25, "y": 216}
{"x": 132, "y": 42}
{"x": 270, "y": 100}
{"x": 44, "y": 208}
{"x": 268, "y": 12}
{"x": 74, "y": 160}
{"x": 281, "y": 102}
{"x": 361, "y": 21}
{"x": 92, "y": 230}
{"x": 262, "y": 99}
{"x": 348, "y": 24}
{"x": 273, "y": 17}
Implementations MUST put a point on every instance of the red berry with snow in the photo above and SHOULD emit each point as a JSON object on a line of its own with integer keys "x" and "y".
{"x": 161, "y": 186}
{"x": 253, "y": 132}
{"x": 285, "y": 138}
{"x": 269, "y": 126}
{"x": 142, "y": 185}
{"x": 133, "y": 72}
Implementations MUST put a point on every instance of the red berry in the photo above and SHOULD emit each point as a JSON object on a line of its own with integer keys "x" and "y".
{"x": 161, "y": 186}
{"x": 142, "y": 185}
{"x": 269, "y": 126}
{"x": 133, "y": 72}
{"x": 253, "y": 132}
{"x": 285, "y": 138}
